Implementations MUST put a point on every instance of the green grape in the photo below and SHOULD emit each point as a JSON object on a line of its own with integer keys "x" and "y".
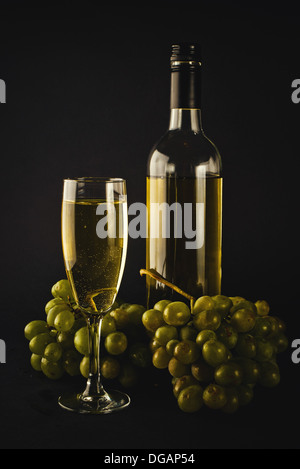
{"x": 53, "y": 370}
{"x": 173, "y": 381}
{"x": 281, "y": 324}
{"x": 182, "y": 383}
{"x": 139, "y": 355}
{"x": 178, "y": 369}
{"x": 214, "y": 396}
{"x": 245, "y": 394}
{"x": 246, "y": 346}
{"x": 160, "y": 305}
{"x": 71, "y": 362}
{"x": 243, "y": 304}
{"x": 262, "y": 328}
{"x": 53, "y": 352}
{"x": 229, "y": 374}
{"x": 124, "y": 305}
{"x": 262, "y": 307}
{"x": 54, "y": 312}
{"x": 186, "y": 352}
{"x": 81, "y": 341}
{"x": 38, "y": 344}
{"x": 154, "y": 345}
{"x": 264, "y": 350}
{"x": 108, "y": 325}
{"x": 153, "y": 319}
{"x": 280, "y": 342}
{"x": 274, "y": 326}
{"x": 34, "y": 328}
{"x": 203, "y": 336}
{"x": 165, "y": 333}
{"x": 85, "y": 367}
{"x": 188, "y": 332}
{"x": 228, "y": 335}
{"x": 110, "y": 368}
{"x": 243, "y": 320}
{"x": 35, "y": 362}
{"x": 236, "y": 300}
{"x": 251, "y": 370}
{"x": 203, "y": 303}
{"x": 176, "y": 313}
{"x": 161, "y": 358}
{"x": 62, "y": 289}
{"x": 190, "y": 398}
{"x": 135, "y": 313}
{"x": 232, "y": 401}
{"x": 223, "y": 304}
{"x": 128, "y": 376}
{"x": 202, "y": 372}
{"x": 64, "y": 321}
{"x": 215, "y": 352}
{"x": 209, "y": 319}
{"x": 116, "y": 343}
{"x": 65, "y": 340}
{"x": 170, "y": 347}
{"x": 269, "y": 374}
{"x": 121, "y": 317}
{"x": 54, "y": 302}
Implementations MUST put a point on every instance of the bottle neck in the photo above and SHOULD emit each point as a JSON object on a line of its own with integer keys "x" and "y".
{"x": 186, "y": 119}
{"x": 185, "y": 100}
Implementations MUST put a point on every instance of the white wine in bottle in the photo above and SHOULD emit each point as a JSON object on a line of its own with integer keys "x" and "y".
{"x": 184, "y": 192}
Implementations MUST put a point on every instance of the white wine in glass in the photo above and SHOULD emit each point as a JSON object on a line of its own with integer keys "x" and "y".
{"x": 94, "y": 239}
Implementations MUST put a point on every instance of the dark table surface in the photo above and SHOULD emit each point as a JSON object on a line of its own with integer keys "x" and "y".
{"x": 32, "y": 418}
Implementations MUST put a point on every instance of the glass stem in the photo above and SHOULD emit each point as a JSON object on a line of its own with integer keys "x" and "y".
{"x": 94, "y": 386}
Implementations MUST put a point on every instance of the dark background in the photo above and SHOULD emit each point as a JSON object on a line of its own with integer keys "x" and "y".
{"x": 88, "y": 94}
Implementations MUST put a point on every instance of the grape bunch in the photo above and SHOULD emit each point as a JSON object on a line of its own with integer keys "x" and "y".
{"x": 59, "y": 344}
{"x": 217, "y": 351}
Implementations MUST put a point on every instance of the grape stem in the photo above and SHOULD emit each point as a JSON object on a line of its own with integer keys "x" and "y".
{"x": 156, "y": 276}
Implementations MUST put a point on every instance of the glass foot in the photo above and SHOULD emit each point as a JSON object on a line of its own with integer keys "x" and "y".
{"x": 104, "y": 404}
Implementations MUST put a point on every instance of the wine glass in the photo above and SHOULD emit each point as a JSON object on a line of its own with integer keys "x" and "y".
{"x": 94, "y": 239}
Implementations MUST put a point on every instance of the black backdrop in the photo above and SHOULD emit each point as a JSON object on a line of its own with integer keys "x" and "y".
{"x": 88, "y": 94}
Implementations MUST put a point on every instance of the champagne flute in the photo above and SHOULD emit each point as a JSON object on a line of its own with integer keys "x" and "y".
{"x": 94, "y": 239}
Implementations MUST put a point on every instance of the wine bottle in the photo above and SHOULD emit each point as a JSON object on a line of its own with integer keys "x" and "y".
{"x": 184, "y": 192}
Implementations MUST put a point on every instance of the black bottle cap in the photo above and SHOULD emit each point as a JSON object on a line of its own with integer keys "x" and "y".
{"x": 186, "y": 52}
{"x": 186, "y": 76}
